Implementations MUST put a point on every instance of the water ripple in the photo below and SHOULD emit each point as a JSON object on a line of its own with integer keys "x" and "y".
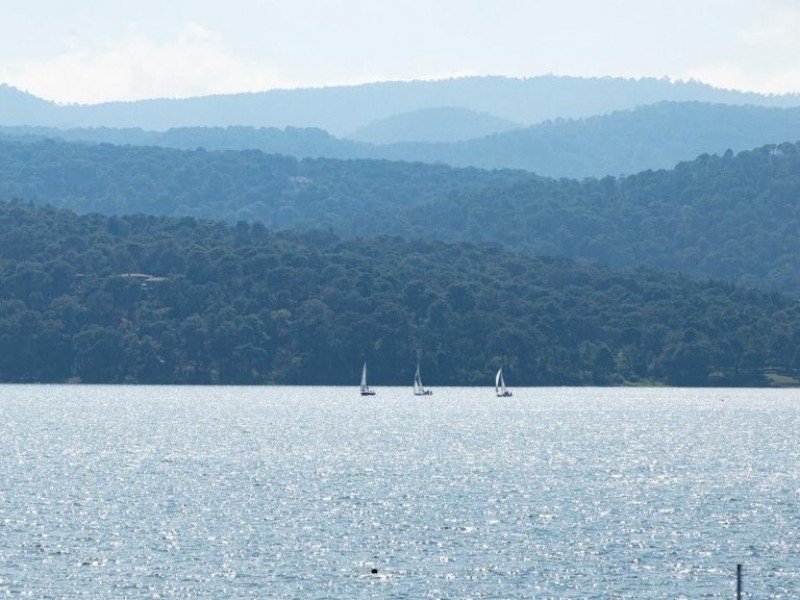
{"x": 149, "y": 492}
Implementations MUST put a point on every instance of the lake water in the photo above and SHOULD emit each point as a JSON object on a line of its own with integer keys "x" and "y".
{"x": 288, "y": 492}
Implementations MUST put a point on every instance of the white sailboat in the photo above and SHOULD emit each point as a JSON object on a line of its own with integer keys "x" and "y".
{"x": 500, "y": 385}
{"x": 419, "y": 389}
{"x": 365, "y": 389}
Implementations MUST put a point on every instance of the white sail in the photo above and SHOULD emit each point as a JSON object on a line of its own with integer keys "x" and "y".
{"x": 419, "y": 389}
{"x": 500, "y": 385}
{"x": 365, "y": 389}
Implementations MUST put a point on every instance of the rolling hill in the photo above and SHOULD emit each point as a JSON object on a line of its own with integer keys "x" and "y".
{"x": 143, "y": 299}
{"x": 657, "y": 136}
{"x": 732, "y": 217}
{"x": 649, "y": 137}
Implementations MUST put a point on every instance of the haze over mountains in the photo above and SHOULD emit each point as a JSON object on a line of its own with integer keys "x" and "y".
{"x": 436, "y": 124}
{"x": 341, "y": 110}
{"x": 553, "y": 126}
{"x": 656, "y": 136}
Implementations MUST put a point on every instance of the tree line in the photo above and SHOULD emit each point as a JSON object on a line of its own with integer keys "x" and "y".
{"x": 153, "y": 299}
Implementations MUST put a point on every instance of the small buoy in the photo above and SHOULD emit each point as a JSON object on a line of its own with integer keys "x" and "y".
{"x": 374, "y": 571}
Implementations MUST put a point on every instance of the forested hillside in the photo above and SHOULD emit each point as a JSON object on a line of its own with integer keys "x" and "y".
{"x": 648, "y": 137}
{"x": 291, "y": 141}
{"x": 730, "y": 217}
{"x": 351, "y": 197}
{"x": 156, "y": 300}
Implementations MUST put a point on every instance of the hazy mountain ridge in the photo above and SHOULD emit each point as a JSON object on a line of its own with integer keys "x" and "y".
{"x": 18, "y": 107}
{"x": 649, "y": 137}
{"x": 656, "y": 136}
{"x": 344, "y": 109}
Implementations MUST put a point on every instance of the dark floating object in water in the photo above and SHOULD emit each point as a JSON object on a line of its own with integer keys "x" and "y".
{"x": 374, "y": 571}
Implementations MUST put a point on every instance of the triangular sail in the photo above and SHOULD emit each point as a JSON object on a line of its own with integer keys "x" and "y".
{"x": 500, "y": 385}
{"x": 364, "y": 377}
{"x": 365, "y": 390}
{"x": 419, "y": 389}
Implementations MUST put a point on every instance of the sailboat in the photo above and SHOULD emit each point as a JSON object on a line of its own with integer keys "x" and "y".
{"x": 500, "y": 385}
{"x": 419, "y": 389}
{"x": 365, "y": 389}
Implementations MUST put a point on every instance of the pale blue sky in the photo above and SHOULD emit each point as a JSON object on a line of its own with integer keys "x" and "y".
{"x": 98, "y": 50}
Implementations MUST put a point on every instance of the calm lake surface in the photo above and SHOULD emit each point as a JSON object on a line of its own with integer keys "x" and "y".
{"x": 288, "y": 492}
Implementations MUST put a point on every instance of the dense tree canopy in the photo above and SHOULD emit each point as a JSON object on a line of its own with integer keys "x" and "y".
{"x": 728, "y": 217}
{"x": 151, "y": 299}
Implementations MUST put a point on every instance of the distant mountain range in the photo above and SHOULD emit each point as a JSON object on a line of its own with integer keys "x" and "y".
{"x": 657, "y": 136}
{"x": 341, "y": 110}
